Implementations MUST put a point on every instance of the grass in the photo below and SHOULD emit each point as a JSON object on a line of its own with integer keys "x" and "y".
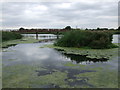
{"x": 18, "y": 41}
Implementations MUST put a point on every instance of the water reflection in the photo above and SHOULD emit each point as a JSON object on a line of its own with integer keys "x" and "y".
{"x": 9, "y": 45}
{"x": 36, "y": 35}
{"x": 82, "y": 58}
{"x": 42, "y": 36}
{"x": 116, "y": 38}
{"x": 32, "y": 53}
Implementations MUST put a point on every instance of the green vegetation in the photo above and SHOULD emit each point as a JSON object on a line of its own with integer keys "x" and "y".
{"x": 68, "y": 27}
{"x": 13, "y": 77}
{"x": 91, "y": 53}
{"x": 108, "y": 79}
{"x": 10, "y": 36}
{"x": 70, "y": 64}
{"x": 89, "y": 39}
{"x": 18, "y": 41}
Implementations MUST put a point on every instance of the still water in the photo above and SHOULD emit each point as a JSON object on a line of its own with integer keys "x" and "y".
{"x": 50, "y": 58}
{"x": 32, "y": 52}
{"x": 116, "y": 38}
{"x": 41, "y": 36}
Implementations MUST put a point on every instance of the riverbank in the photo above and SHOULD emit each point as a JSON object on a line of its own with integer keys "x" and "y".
{"x": 90, "y": 53}
{"x": 18, "y": 41}
{"x": 7, "y": 35}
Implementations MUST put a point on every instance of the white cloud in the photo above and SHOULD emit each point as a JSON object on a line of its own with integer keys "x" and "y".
{"x": 39, "y": 8}
{"x": 82, "y": 13}
{"x": 63, "y": 5}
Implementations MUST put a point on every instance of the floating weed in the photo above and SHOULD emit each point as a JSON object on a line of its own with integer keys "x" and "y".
{"x": 56, "y": 78}
{"x": 91, "y": 53}
{"x": 101, "y": 80}
{"x": 18, "y": 76}
{"x": 12, "y": 59}
{"x": 70, "y": 64}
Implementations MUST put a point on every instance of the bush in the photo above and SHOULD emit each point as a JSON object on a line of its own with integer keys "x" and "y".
{"x": 10, "y": 36}
{"x": 92, "y": 39}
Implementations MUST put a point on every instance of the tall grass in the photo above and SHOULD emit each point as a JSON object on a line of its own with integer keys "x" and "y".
{"x": 90, "y": 39}
{"x": 10, "y": 36}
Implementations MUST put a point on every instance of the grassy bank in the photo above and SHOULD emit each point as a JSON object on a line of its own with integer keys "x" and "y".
{"x": 10, "y": 39}
{"x": 91, "y": 53}
{"x": 6, "y": 36}
{"x": 89, "y": 39}
{"x": 18, "y": 41}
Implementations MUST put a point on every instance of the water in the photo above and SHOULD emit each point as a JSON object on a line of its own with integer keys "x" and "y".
{"x": 41, "y": 36}
{"x": 52, "y": 60}
{"x": 24, "y": 53}
{"x": 116, "y": 38}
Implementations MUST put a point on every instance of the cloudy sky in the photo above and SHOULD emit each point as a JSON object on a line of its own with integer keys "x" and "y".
{"x": 81, "y": 13}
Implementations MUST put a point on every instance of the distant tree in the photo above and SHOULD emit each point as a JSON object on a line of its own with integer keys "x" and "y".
{"x": 105, "y": 28}
{"x": 111, "y": 29}
{"x": 86, "y": 29}
{"x": 98, "y": 28}
{"x": 102, "y": 29}
{"x": 119, "y": 28}
{"x": 68, "y": 28}
{"x": 21, "y": 29}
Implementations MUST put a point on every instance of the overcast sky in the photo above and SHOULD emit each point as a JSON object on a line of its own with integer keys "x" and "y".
{"x": 83, "y": 14}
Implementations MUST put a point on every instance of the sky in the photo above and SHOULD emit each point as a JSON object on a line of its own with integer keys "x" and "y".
{"x": 80, "y": 13}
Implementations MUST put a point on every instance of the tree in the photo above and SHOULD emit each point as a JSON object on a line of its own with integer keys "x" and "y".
{"x": 21, "y": 29}
{"x": 119, "y": 28}
{"x": 86, "y": 29}
{"x": 68, "y": 27}
{"x": 98, "y": 28}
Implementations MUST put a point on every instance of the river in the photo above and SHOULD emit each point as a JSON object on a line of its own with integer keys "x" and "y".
{"x": 29, "y": 66}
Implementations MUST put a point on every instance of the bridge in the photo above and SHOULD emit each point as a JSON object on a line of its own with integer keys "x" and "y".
{"x": 40, "y": 30}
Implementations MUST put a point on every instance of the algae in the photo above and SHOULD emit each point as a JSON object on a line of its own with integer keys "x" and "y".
{"x": 91, "y": 53}
{"x": 99, "y": 79}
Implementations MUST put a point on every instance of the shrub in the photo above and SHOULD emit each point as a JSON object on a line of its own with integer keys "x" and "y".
{"x": 10, "y": 36}
{"x": 92, "y": 39}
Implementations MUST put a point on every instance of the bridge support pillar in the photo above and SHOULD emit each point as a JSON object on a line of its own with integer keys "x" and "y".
{"x": 36, "y": 35}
